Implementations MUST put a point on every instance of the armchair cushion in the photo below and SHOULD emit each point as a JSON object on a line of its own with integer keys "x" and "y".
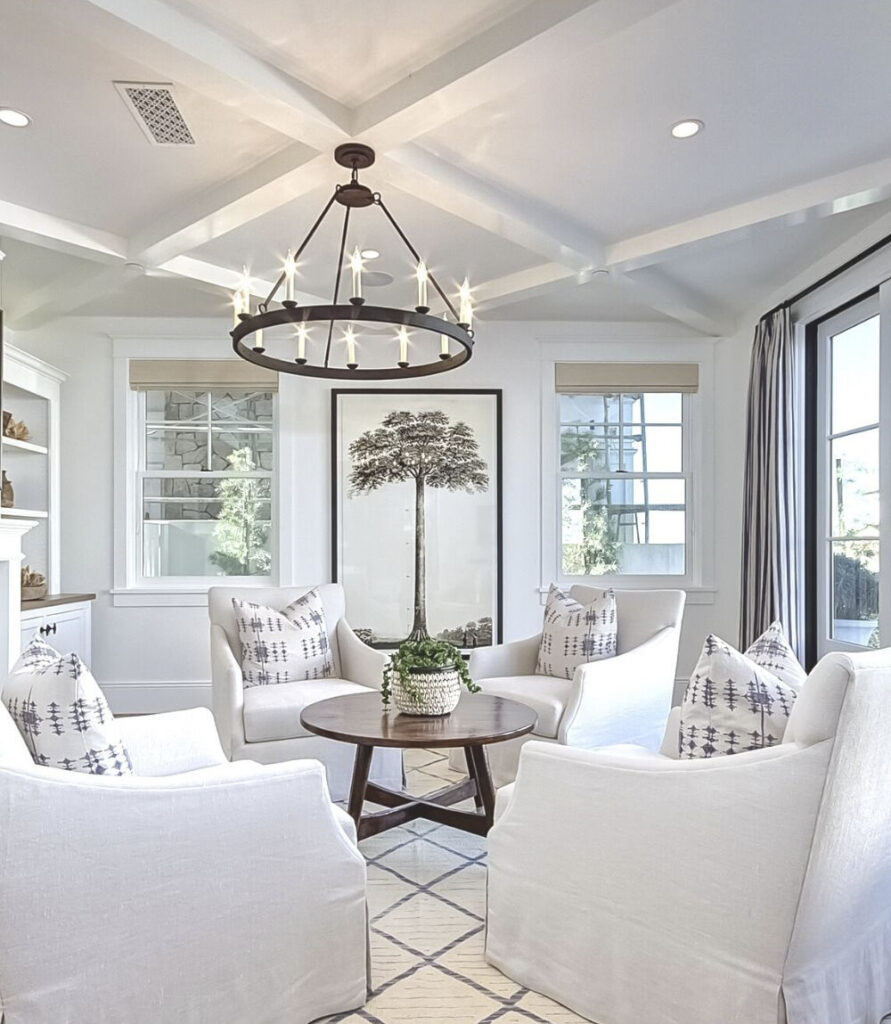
{"x": 574, "y": 634}
{"x": 273, "y": 712}
{"x": 62, "y": 714}
{"x": 286, "y": 646}
{"x": 732, "y": 704}
{"x": 546, "y": 695}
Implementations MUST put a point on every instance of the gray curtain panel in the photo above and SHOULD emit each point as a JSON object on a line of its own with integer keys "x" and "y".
{"x": 772, "y": 542}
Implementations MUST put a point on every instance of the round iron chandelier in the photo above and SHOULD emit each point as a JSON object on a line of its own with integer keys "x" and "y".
{"x": 439, "y": 343}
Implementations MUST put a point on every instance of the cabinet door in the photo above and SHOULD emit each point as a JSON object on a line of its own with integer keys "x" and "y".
{"x": 63, "y": 629}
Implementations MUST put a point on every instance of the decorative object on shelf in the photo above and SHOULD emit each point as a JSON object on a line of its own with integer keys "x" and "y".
{"x": 417, "y": 507}
{"x": 7, "y": 494}
{"x": 15, "y": 429}
{"x": 33, "y": 584}
{"x": 338, "y": 351}
{"x": 424, "y": 677}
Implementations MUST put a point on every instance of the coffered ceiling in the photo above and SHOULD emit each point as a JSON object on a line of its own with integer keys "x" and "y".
{"x": 522, "y": 143}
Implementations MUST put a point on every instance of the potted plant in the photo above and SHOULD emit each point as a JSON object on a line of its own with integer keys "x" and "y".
{"x": 424, "y": 677}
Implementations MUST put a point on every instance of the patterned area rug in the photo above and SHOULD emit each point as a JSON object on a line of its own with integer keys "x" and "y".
{"x": 427, "y": 904}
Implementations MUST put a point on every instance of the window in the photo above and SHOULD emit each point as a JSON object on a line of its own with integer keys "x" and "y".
{"x": 848, "y": 478}
{"x": 624, "y": 484}
{"x": 204, "y": 484}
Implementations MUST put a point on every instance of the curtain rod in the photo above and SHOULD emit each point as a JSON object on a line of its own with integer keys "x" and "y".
{"x": 826, "y": 278}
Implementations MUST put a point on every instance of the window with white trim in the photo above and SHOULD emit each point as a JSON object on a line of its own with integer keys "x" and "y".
{"x": 625, "y": 469}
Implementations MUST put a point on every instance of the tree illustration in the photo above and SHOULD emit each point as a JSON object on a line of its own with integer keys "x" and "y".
{"x": 241, "y": 534}
{"x": 429, "y": 449}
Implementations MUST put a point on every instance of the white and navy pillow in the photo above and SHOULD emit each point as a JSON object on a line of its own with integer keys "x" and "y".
{"x": 286, "y": 646}
{"x": 62, "y": 714}
{"x": 772, "y": 651}
{"x": 732, "y": 704}
{"x": 573, "y": 634}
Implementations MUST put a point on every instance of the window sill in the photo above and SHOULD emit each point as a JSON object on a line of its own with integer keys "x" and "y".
{"x": 159, "y": 597}
{"x": 695, "y": 595}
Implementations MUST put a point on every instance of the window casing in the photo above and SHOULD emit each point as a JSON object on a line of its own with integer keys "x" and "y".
{"x": 203, "y": 482}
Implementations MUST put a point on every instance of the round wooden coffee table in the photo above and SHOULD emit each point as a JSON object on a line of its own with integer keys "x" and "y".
{"x": 478, "y": 719}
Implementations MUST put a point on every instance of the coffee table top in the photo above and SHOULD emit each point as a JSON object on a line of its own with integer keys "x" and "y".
{"x": 360, "y": 718}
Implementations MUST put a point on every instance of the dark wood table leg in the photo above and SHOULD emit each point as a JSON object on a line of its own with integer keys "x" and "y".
{"x": 471, "y": 771}
{"x": 483, "y": 781}
{"x": 361, "y": 768}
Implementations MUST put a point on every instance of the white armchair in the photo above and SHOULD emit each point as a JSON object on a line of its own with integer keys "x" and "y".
{"x": 196, "y": 891}
{"x": 751, "y": 889}
{"x": 262, "y": 723}
{"x": 625, "y": 699}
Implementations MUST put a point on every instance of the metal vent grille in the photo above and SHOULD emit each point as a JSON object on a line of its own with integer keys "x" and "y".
{"x": 154, "y": 107}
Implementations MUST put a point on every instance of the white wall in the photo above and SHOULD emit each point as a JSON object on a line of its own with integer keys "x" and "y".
{"x": 153, "y": 658}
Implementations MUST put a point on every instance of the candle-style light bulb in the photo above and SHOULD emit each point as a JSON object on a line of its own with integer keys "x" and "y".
{"x": 465, "y": 309}
{"x": 350, "y": 339}
{"x": 258, "y": 341}
{"x": 237, "y": 307}
{"x": 403, "y": 347}
{"x": 302, "y": 335}
{"x": 422, "y": 276}
{"x": 443, "y": 346}
{"x": 356, "y": 267}
{"x": 290, "y": 274}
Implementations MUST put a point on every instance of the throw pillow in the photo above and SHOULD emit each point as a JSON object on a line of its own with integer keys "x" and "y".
{"x": 772, "y": 651}
{"x": 285, "y": 646}
{"x": 573, "y": 634}
{"x": 732, "y": 704}
{"x": 62, "y": 714}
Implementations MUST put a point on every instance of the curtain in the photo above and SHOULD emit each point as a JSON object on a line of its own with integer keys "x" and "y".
{"x": 772, "y": 541}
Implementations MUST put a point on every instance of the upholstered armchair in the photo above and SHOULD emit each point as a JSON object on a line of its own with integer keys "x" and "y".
{"x": 625, "y": 699}
{"x": 196, "y": 890}
{"x": 262, "y": 723}
{"x": 752, "y": 888}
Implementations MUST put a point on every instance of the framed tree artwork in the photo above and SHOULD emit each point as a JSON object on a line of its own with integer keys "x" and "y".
{"x": 417, "y": 513}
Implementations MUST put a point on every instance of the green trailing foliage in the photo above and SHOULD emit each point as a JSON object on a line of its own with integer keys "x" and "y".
{"x": 417, "y": 656}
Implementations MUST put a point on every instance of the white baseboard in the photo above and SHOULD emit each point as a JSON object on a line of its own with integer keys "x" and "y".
{"x": 147, "y": 698}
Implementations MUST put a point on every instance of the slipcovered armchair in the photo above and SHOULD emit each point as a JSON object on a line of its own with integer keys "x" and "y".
{"x": 625, "y": 699}
{"x": 262, "y": 723}
{"x": 196, "y": 891}
{"x": 747, "y": 889}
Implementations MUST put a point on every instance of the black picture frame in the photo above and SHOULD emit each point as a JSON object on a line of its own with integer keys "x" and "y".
{"x": 495, "y": 473}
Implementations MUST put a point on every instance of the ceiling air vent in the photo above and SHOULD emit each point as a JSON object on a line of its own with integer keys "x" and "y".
{"x": 154, "y": 108}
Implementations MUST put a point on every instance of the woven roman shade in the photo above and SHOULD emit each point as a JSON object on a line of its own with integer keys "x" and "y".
{"x": 200, "y": 374}
{"x": 625, "y": 378}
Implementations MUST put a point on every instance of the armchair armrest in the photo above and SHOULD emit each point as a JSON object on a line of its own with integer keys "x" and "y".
{"x": 227, "y": 692}
{"x": 625, "y": 699}
{"x": 358, "y": 662}
{"x": 517, "y": 658}
{"x": 246, "y": 875}
{"x": 167, "y": 744}
{"x": 616, "y": 856}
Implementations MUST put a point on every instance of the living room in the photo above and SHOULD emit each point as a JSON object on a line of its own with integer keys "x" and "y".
{"x": 515, "y": 368}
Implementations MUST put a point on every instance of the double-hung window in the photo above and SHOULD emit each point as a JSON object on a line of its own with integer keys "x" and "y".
{"x": 625, "y": 469}
{"x": 202, "y": 485}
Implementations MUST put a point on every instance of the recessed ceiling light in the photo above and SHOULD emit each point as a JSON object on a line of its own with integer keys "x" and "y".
{"x": 14, "y": 118}
{"x": 369, "y": 254}
{"x": 687, "y": 129}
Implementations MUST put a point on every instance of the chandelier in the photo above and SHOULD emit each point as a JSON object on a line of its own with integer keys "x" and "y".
{"x": 349, "y": 330}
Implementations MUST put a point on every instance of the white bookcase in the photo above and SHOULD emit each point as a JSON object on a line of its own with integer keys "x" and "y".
{"x": 31, "y": 393}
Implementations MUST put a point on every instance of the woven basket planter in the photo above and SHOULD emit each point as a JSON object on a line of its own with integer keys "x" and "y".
{"x": 436, "y": 692}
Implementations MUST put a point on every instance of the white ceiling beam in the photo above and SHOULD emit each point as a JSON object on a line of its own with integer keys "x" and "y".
{"x": 218, "y": 67}
{"x": 67, "y": 294}
{"x": 527, "y": 43}
{"x": 62, "y": 235}
{"x": 224, "y": 279}
{"x": 523, "y": 284}
{"x": 264, "y": 188}
{"x": 824, "y": 197}
{"x": 653, "y": 288}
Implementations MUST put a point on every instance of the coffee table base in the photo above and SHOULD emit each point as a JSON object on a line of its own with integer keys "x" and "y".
{"x": 435, "y": 806}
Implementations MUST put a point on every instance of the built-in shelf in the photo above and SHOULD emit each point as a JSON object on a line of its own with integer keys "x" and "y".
{"x": 24, "y": 513}
{"x": 24, "y": 446}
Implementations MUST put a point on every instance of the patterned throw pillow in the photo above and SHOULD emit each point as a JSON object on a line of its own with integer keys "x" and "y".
{"x": 732, "y": 704}
{"x": 285, "y": 646}
{"x": 772, "y": 651}
{"x": 62, "y": 714}
{"x": 573, "y": 634}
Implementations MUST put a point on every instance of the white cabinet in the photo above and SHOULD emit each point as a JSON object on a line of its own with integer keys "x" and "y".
{"x": 65, "y": 624}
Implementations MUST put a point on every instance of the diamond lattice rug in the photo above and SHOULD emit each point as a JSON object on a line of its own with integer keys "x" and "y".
{"x": 427, "y": 904}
